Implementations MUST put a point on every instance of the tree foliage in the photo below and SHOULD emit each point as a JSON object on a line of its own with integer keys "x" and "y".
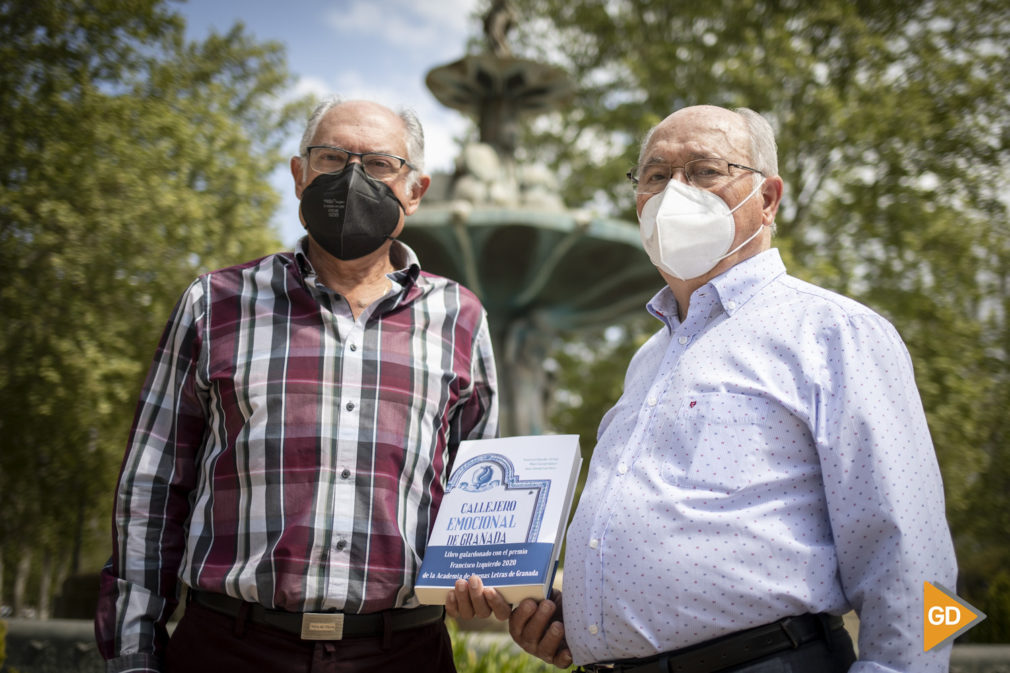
{"x": 131, "y": 160}
{"x": 893, "y": 145}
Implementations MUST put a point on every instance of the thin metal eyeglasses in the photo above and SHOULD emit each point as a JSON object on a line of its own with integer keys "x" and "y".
{"x": 379, "y": 165}
{"x": 652, "y": 178}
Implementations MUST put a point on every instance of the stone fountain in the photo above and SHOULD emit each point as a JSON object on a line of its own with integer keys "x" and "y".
{"x": 500, "y": 227}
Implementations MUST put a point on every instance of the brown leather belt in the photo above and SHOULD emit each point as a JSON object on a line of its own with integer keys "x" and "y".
{"x": 725, "y": 652}
{"x": 322, "y": 625}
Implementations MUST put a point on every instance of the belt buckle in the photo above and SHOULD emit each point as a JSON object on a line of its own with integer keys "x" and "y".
{"x": 322, "y": 626}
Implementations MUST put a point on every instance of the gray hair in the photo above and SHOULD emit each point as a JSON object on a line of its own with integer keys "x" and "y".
{"x": 414, "y": 137}
{"x": 763, "y": 150}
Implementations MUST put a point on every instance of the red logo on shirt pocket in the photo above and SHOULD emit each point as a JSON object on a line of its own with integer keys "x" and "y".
{"x": 693, "y": 402}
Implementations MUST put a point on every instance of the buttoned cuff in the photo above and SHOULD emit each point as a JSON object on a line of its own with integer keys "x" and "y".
{"x": 138, "y": 662}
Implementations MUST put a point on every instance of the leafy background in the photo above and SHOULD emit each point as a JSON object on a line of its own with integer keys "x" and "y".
{"x": 133, "y": 159}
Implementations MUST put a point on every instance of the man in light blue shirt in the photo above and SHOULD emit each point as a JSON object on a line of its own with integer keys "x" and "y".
{"x": 768, "y": 466}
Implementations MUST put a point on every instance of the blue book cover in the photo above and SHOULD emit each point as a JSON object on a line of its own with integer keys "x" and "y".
{"x": 503, "y": 517}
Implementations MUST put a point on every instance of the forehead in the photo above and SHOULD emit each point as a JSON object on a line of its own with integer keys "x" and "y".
{"x": 362, "y": 127}
{"x": 694, "y": 133}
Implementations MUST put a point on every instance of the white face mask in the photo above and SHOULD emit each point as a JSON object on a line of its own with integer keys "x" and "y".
{"x": 686, "y": 231}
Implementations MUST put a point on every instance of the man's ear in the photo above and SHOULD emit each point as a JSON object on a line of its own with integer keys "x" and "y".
{"x": 416, "y": 192}
{"x": 298, "y": 174}
{"x": 771, "y": 195}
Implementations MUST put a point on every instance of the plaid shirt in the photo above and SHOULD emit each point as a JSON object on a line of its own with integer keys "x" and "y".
{"x": 286, "y": 454}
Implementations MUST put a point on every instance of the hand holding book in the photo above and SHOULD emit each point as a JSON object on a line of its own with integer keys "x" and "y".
{"x": 538, "y": 628}
{"x": 470, "y": 598}
{"x": 503, "y": 519}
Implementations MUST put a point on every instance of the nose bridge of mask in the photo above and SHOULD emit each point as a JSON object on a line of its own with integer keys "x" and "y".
{"x": 357, "y": 180}
{"x": 364, "y": 183}
{"x": 363, "y": 186}
{"x": 695, "y": 210}
{"x": 705, "y": 201}
{"x": 376, "y": 187}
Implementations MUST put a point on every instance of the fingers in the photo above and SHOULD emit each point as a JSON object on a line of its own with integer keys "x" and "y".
{"x": 552, "y": 645}
{"x": 532, "y": 628}
{"x": 452, "y": 604}
{"x": 475, "y": 589}
{"x": 470, "y": 599}
{"x": 517, "y": 622}
{"x": 499, "y": 607}
{"x": 458, "y": 603}
{"x": 563, "y": 659}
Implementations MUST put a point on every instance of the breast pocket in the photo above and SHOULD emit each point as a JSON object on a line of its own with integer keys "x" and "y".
{"x": 731, "y": 440}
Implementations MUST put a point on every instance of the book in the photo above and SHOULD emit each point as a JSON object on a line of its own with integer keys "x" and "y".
{"x": 503, "y": 517}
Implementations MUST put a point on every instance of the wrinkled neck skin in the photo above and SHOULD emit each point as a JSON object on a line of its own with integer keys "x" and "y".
{"x": 357, "y": 280}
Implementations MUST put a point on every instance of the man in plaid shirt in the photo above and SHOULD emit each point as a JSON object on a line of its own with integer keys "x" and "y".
{"x": 292, "y": 439}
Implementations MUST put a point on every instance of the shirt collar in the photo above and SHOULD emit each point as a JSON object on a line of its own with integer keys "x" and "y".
{"x": 734, "y": 287}
{"x": 742, "y": 281}
{"x": 404, "y": 260}
{"x": 406, "y": 266}
{"x": 663, "y": 306}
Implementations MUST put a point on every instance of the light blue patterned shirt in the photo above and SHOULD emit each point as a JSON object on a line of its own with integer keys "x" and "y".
{"x": 769, "y": 457}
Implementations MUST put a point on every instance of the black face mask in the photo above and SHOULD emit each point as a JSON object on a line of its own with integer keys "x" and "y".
{"x": 348, "y": 213}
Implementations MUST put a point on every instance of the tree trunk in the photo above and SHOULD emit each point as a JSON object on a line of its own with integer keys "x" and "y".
{"x": 21, "y": 571}
{"x": 45, "y": 585}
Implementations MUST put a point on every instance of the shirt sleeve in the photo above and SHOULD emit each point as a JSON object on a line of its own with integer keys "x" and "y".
{"x": 884, "y": 494}
{"x": 139, "y": 586}
{"x": 477, "y": 418}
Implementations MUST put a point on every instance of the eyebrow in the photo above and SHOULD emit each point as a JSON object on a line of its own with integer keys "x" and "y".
{"x": 659, "y": 159}
{"x": 344, "y": 149}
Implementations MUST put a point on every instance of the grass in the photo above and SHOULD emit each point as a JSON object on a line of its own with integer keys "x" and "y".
{"x": 472, "y": 657}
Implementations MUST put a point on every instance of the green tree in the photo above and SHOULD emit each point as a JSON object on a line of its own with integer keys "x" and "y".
{"x": 131, "y": 161}
{"x": 893, "y": 142}
{"x": 589, "y": 368}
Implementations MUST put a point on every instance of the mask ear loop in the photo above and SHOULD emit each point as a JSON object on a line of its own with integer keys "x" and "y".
{"x": 756, "y": 231}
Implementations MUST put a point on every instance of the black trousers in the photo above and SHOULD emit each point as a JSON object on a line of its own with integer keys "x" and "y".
{"x": 206, "y": 641}
{"x": 822, "y": 649}
{"x": 835, "y": 655}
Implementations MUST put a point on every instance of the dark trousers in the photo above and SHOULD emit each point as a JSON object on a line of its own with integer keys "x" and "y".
{"x": 834, "y": 655}
{"x": 206, "y": 641}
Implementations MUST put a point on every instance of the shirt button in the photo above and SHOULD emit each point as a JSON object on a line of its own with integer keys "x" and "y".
{"x": 594, "y": 629}
{"x": 731, "y": 304}
{"x": 341, "y": 544}
{"x": 354, "y": 347}
{"x": 622, "y": 469}
{"x": 594, "y": 543}
{"x": 345, "y": 474}
{"x": 683, "y": 340}
{"x": 652, "y": 401}
{"x": 350, "y": 406}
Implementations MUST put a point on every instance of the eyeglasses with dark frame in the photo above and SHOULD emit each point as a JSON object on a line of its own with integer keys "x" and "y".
{"x": 653, "y": 177}
{"x": 379, "y": 165}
